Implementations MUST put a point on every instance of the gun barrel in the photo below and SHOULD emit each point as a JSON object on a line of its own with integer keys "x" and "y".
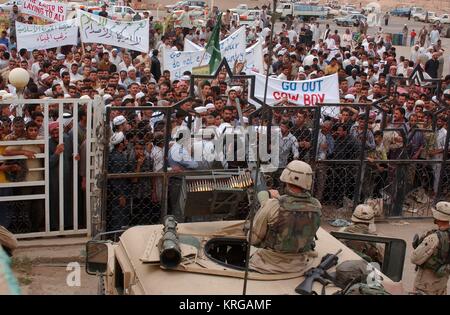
{"x": 169, "y": 247}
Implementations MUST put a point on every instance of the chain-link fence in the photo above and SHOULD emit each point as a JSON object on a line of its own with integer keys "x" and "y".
{"x": 362, "y": 151}
{"x": 368, "y": 158}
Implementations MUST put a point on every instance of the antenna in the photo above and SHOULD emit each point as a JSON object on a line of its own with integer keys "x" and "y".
{"x": 258, "y": 161}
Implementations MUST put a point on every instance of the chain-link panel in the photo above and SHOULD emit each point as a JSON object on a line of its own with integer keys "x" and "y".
{"x": 134, "y": 194}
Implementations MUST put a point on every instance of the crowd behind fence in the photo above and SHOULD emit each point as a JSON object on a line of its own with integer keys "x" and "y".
{"x": 45, "y": 163}
{"x": 360, "y": 152}
{"x": 350, "y": 161}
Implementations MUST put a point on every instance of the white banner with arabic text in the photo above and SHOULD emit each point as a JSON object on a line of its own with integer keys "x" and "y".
{"x": 97, "y": 29}
{"x": 232, "y": 47}
{"x": 30, "y": 36}
{"x": 253, "y": 54}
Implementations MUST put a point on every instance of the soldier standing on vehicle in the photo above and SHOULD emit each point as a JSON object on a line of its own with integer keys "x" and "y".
{"x": 285, "y": 226}
{"x": 432, "y": 254}
{"x": 362, "y": 217}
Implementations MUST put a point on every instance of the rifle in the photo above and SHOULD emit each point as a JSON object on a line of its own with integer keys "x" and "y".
{"x": 319, "y": 274}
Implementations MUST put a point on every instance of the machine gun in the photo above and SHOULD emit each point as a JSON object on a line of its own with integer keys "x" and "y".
{"x": 319, "y": 274}
{"x": 169, "y": 247}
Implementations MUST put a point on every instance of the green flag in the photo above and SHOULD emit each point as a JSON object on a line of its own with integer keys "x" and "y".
{"x": 213, "y": 46}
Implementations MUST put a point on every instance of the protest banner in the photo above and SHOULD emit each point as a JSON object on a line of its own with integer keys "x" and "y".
{"x": 51, "y": 11}
{"x": 254, "y": 58}
{"x": 30, "y": 36}
{"x": 232, "y": 47}
{"x": 97, "y": 29}
{"x": 190, "y": 46}
{"x": 301, "y": 93}
{"x": 178, "y": 62}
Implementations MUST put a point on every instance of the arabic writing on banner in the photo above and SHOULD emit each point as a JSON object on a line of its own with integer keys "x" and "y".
{"x": 303, "y": 93}
{"x": 232, "y": 47}
{"x": 52, "y": 11}
{"x": 30, "y": 36}
{"x": 97, "y": 29}
{"x": 253, "y": 55}
{"x": 177, "y": 62}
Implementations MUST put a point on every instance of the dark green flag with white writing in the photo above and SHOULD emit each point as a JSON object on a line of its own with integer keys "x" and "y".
{"x": 213, "y": 46}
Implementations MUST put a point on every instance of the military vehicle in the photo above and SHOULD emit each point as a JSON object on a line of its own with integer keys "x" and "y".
{"x": 209, "y": 258}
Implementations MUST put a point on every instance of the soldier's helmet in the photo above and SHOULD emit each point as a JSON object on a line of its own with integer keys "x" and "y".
{"x": 7, "y": 240}
{"x": 351, "y": 271}
{"x": 442, "y": 211}
{"x": 363, "y": 213}
{"x": 298, "y": 173}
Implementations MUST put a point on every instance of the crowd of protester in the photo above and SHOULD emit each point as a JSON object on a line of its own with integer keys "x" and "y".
{"x": 365, "y": 64}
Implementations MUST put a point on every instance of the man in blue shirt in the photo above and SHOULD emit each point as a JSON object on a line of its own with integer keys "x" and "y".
{"x": 3, "y": 39}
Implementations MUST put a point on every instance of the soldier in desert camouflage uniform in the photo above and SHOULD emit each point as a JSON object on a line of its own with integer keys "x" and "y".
{"x": 285, "y": 226}
{"x": 362, "y": 217}
{"x": 432, "y": 254}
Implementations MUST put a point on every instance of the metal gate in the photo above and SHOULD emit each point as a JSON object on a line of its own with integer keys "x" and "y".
{"x": 48, "y": 195}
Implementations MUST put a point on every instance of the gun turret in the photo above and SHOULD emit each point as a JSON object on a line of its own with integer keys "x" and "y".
{"x": 169, "y": 247}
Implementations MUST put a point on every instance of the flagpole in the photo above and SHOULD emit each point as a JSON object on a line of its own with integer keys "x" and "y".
{"x": 258, "y": 162}
{"x": 204, "y": 53}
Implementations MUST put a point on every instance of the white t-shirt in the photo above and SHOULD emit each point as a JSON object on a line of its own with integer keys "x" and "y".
{"x": 291, "y": 35}
{"x": 434, "y": 37}
{"x": 185, "y": 19}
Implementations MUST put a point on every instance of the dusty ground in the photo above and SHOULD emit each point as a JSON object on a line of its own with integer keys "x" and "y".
{"x": 42, "y": 270}
{"x": 41, "y": 266}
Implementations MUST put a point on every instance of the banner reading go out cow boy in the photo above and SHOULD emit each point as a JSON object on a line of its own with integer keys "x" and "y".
{"x": 302, "y": 93}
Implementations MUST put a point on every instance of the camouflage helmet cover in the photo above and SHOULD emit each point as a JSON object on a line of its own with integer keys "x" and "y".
{"x": 298, "y": 173}
{"x": 442, "y": 211}
{"x": 350, "y": 271}
{"x": 363, "y": 213}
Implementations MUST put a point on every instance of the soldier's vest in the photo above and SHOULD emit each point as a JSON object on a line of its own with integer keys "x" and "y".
{"x": 296, "y": 225}
{"x": 438, "y": 261}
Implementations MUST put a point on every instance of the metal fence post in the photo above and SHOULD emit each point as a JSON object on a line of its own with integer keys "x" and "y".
{"x": 315, "y": 135}
{"x": 104, "y": 181}
{"x": 361, "y": 169}
{"x": 165, "y": 188}
{"x": 444, "y": 160}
